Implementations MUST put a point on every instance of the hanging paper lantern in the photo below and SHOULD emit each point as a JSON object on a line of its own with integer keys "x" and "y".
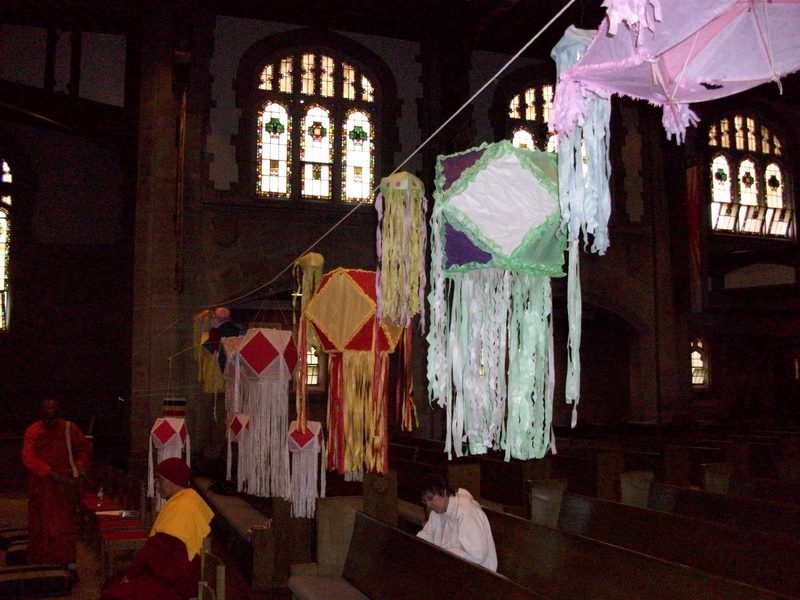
{"x": 343, "y": 314}
{"x": 229, "y": 365}
{"x": 266, "y": 360}
{"x": 307, "y": 273}
{"x": 171, "y": 439}
{"x": 206, "y": 341}
{"x": 174, "y": 407}
{"x": 401, "y": 241}
{"x": 210, "y": 327}
{"x": 239, "y": 432}
{"x": 307, "y": 448}
{"x": 495, "y": 246}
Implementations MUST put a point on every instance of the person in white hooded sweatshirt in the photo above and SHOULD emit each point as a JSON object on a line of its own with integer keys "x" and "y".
{"x": 456, "y": 522}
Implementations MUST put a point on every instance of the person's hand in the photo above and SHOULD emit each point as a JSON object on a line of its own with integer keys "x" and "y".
{"x": 55, "y": 477}
{"x": 125, "y": 579}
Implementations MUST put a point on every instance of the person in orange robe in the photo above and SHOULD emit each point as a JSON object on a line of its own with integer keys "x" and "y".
{"x": 52, "y": 536}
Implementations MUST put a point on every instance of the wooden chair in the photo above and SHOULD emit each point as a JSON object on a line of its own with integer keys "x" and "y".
{"x": 217, "y": 592}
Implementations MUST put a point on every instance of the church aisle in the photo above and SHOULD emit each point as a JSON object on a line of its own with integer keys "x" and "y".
{"x": 14, "y": 513}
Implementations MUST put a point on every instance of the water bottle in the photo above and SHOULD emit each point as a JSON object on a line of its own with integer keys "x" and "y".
{"x": 100, "y": 496}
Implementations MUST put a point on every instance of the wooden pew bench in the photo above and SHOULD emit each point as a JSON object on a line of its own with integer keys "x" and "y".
{"x": 246, "y": 531}
{"x": 757, "y": 558}
{"x": 737, "y": 511}
{"x": 567, "y": 566}
{"x": 384, "y": 562}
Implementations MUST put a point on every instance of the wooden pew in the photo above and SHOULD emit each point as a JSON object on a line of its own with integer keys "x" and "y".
{"x": 737, "y": 511}
{"x": 384, "y": 562}
{"x": 249, "y": 534}
{"x": 767, "y": 489}
{"x": 569, "y": 566}
{"x": 760, "y": 559}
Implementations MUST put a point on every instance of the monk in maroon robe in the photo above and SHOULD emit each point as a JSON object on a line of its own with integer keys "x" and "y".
{"x": 52, "y": 536}
{"x": 167, "y": 567}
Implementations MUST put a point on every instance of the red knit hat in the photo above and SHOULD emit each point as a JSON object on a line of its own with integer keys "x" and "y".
{"x": 176, "y": 470}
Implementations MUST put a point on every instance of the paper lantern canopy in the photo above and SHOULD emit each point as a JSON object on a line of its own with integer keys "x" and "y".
{"x": 268, "y": 353}
{"x": 495, "y": 244}
{"x": 343, "y": 313}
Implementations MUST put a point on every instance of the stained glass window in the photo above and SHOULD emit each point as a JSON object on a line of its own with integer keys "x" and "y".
{"x": 749, "y": 192}
{"x": 358, "y": 158}
{"x": 316, "y": 128}
{"x": 5, "y": 242}
{"x": 528, "y": 113}
{"x": 316, "y": 154}
{"x": 700, "y": 378}
{"x": 274, "y": 147}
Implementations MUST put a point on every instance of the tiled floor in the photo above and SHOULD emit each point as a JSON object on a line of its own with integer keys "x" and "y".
{"x": 13, "y": 512}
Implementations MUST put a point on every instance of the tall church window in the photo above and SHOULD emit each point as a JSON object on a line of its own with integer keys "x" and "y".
{"x": 699, "y": 357}
{"x": 5, "y": 242}
{"x": 316, "y": 128}
{"x": 750, "y": 194}
{"x": 528, "y": 114}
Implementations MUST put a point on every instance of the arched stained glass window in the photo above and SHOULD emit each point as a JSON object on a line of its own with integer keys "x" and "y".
{"x": 528, "y": 114}
{"x": 316, "y": 154}
{"x": 5, "y": 242}
{"x": 316, "y": 128}
{"x": 749, "y": 191}
{"x": 273, "y": 151}
{"x": 357, "y": 157}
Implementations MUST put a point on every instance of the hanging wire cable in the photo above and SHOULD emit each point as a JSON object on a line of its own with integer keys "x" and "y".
{"x": 410, "y": 156}
{"x": 232, "y": 301}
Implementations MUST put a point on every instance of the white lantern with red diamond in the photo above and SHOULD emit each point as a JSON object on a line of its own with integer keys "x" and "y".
{"x": 267, "y": 361}
{"x": 239, "y": 431}
{"x": 171, "y": 439}
{"x": 307, "y": 446}
{"x": 229, "y": 363}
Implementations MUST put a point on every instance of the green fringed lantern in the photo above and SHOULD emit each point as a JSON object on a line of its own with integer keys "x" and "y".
{"x": 495, "y": 244}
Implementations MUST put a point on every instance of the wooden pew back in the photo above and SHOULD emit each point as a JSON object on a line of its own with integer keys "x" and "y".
{"x": 737, "y": 511}
{"x": 565, "y": 565}
{"x": 757, "y": 558}
{"x": 383, "y": 562}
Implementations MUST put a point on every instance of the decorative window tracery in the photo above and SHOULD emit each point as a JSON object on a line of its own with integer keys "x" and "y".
{"x": 750, "y": 194}
{"x": 528, "y": 114}
{"x": 316, "y": 128}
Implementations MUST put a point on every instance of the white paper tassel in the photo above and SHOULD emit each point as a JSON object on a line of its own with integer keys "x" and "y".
{"x": 305, "y": 476}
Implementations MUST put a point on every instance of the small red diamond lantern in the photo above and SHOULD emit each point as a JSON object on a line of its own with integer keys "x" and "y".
{"x": 239, "y": 432}
{"x": 308, "y": 468}
{"x": 170, "y": 438}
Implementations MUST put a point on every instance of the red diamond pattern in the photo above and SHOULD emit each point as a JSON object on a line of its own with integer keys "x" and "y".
{"x": 301, "y": 438}
{"x": 290, "y": 355}
{"x": 258, "y": 352}
{"x": 164, "y": 431}
{"x": 236, "y": 426}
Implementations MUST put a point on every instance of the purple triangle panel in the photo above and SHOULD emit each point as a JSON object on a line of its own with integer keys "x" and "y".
{"x": 460, "y": 250}
{"x": 453, "y": 166}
